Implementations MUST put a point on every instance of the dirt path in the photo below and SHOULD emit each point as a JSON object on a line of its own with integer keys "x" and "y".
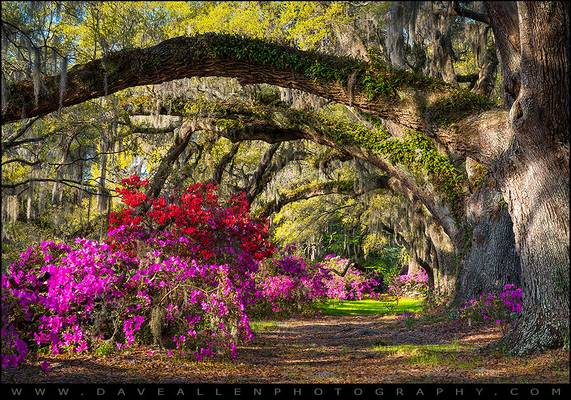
{"x": 347, "y": 349}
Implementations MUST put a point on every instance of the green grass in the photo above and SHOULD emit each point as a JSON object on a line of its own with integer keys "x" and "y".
{"x": 263, "y": 326}
{"x": 413, "y": 349}
{"x": 447, "y": 354}
{"x": 370, "y": 307}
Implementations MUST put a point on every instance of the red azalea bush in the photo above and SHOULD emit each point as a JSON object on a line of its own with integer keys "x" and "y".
{"x": 196, "y": 224}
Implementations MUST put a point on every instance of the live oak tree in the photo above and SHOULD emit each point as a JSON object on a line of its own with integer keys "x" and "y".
{"x": 525, "y": 148}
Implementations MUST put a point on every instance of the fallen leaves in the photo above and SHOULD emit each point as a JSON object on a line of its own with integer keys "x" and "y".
{"x": 329, "y": 349}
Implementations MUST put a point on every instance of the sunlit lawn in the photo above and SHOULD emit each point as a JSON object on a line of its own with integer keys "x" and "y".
{"x": 370, "y": 307}
{"x": 258, "y": 326}
{"x": 451, "y": 354}
{"x": 349, "y": 307}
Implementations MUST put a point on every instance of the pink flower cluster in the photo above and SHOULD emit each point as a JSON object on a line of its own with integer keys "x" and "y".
{"x": 511, "y": 297}
{"x": 410, "y": 285}
{"x": 71, "y": 299}
{"x": 500, "y": 308}
{"x": 344, "y": 283}
{"x": 284, "y": 284}
{"x": 288, "y": 283}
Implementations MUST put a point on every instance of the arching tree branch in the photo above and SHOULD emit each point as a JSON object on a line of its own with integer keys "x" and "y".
{"x": 462, "y": 11}
{"x": 255, "y": 61}
{"x": 315, "y": 190}
{"x": 275, "y": 125}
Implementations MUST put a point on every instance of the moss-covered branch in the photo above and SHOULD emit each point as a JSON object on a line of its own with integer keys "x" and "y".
{"x": 374, "y": 87}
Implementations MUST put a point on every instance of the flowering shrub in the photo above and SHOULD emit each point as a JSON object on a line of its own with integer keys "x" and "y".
{"x": 287, "y": 284}
{"x": 353, "y": 285}
{"x": 500, "y": 308}
{"x": 177, "y": 270}
{"x": 196, "y": 224}
{"x": 413, "y": 285}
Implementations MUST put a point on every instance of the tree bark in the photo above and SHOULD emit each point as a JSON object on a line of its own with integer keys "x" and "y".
{"x": 255, "y": 184}
{"x": 490, "y": 260}
{"x": 534, "y": 174}
{"x": 226, "y": 158}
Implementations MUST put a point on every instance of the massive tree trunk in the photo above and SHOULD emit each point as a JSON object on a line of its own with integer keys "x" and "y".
{"x": 490, "y": 260}
{"x": 534, "y": 174}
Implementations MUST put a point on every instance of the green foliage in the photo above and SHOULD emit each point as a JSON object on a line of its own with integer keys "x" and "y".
{"x": 414, "y": 151}
{"x": 382, "y": 79}
{"x": 457, "y": 105}
{"x": 317, "y": 66}
{"x": 388, "y": 262}
{"x": 306, "y": 25}
{"x": 104, "y": 349}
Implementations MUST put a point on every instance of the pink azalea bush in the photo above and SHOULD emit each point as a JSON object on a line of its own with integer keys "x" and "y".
{"x": 72, "y": 299}
{"x": 346, "y": 284}
{"x": 412, "y": 285}
{"x": 288, "y": 283}
{"x": 499, "y": 308}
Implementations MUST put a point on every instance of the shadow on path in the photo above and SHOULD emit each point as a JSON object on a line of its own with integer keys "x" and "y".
{"x": 330, "y": 349}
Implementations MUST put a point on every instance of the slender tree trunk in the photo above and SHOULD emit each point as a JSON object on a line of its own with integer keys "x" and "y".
{"x": 89, "y": 208}
{"x": 41, "y": 197}
{"x": 30, "y": 197}
{"x": 103, "y": 193}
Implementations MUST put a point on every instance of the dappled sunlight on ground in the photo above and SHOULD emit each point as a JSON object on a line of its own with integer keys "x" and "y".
{"x": 326, "y": 349}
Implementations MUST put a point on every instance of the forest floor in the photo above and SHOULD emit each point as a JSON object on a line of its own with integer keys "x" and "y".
{"x": 345, "y": 344}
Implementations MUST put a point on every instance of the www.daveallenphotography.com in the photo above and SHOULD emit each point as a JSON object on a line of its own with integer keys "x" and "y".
{"x": 285, "y": 200}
